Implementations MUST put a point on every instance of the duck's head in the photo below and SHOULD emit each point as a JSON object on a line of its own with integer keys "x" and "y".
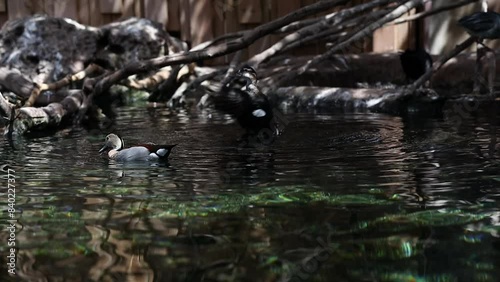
{"x": 112, "y": 142}
{"x": 249, "y": 72}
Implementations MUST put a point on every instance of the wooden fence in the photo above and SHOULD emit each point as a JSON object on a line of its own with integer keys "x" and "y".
{"x": 196, "y": 21}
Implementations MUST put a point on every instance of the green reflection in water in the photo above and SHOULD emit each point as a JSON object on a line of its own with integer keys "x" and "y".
{"x": 408, "y": 277}
{"x": 428, "y": 218}
{"x": 205, "y": 205}
{"x": 69, "y": 236}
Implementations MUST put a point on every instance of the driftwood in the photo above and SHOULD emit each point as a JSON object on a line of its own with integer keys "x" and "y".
{"x": 434, "y": 11}
{"x": 50, "y": 116}
{"x": 27, "y": 90}
{"x": 39, "y": 88}
{"x": 305, "y": 97}
{"x": 326, "y": 23}
{"x": 31, "y": 118}
{"x": 39, "y": 68}
{"x": 167, "y": 88}
{"x": 165, "y": 76}
{"x": 351, "y": 99}
{"x": 217, "y": 50}
{"x": 150, "y": 82}
{"x": 365, "y": 31}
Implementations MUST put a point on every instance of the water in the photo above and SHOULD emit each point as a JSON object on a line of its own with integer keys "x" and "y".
{"x": 338, "y": 197}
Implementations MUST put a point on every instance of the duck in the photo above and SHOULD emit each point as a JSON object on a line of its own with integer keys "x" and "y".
{"x": 482, "y": 25}
{"x": 241, "y": 98}
{"x": 114, "y": 145}
{"x": 415, "y": 63}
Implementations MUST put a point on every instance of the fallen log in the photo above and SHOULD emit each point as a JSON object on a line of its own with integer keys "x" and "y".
{"x": 307, "y": 97}
{"x": 14, "y": 81}
{"x": 351, "y": 99}
{"x": 50, "y": 116}
{"x": 39, "y": 88}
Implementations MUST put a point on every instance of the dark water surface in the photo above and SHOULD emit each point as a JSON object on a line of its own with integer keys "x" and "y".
{"x": 338, "y": 197}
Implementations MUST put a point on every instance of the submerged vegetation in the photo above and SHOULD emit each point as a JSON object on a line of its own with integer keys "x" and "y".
{"x": 330, "y": 241}
{"x": 321, "y": 187}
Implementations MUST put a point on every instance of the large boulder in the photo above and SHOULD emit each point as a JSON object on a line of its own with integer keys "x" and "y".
{"x": 46, "y": 49}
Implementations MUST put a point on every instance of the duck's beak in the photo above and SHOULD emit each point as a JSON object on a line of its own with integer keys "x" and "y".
{"x": 104, "y": 148}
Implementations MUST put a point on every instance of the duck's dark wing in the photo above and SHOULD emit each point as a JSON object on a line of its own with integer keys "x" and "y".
{"x": 415, "y": 63}
{"x": 162, "y": 151}
{"x": 233, "y": 99}
{"x": 242, "y": 99}
{"x": 257, "y": 115}
{"x": 482, "y": 24}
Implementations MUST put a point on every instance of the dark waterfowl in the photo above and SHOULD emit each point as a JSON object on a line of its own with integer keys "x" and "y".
{"x": 241, "y": 98}
{"x": 415, "y": 63}
{"x": 144, "y": 152}
{"x": 483, "y": 25}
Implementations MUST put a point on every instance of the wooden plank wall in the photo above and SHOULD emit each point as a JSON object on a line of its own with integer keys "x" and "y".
{"x": 194, "y": 21}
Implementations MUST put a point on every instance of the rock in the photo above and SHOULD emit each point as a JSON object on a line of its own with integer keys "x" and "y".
{"x": 132, "y": 40}
{"x": 46, "y": 49}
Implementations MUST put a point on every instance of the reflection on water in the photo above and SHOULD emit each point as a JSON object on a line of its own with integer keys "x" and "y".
{"x": 338, "y": 197}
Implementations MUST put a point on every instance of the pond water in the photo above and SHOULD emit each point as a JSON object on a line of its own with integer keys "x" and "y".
{"x": 337, "y": 197}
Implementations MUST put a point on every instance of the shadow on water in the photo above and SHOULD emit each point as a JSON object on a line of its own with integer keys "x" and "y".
{"x": 350, "y": 197}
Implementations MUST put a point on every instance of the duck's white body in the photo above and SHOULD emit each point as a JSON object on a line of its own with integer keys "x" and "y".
{"x": 135, "y": 154}
{"x": 147, "y": 152}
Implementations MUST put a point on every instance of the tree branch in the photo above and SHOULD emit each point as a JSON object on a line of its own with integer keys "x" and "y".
{"x": 39, "y": 88}
{"x": 150, "y": 81}
{"x": 326, "y": 23}
{"x": 333, "y": 33}
{"x": 367, "y": 31}
{"x": 438, "y": 64}
{"x": 215, "y": 51}
{"x": 434, "y": 11}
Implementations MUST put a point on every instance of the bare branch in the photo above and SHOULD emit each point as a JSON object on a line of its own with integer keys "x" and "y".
{"x": 199, "y": 80}
{"x": 367, "y": 31}
{"x": 232, "y": 67}
{"x": 215, "y": 51}
{"x": 92, "y": 68}
{"x": 438, "y": 64}
{"x": 148, "y": 82}
{"x": 434, "y": 11}
{"x": 333, "y": 33}
{"x": 326, "y": 23}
